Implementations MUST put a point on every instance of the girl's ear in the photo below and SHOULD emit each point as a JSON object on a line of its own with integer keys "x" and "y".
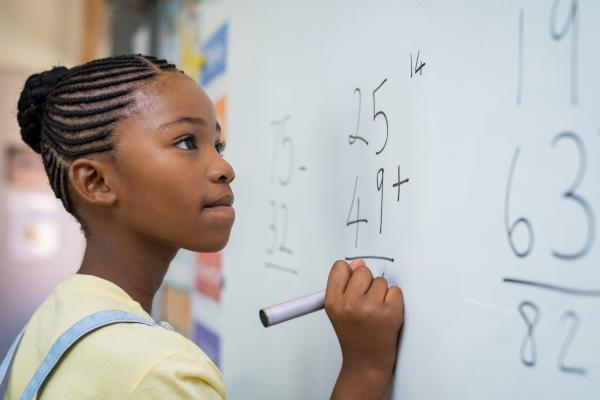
{"x": 89, "y": 182}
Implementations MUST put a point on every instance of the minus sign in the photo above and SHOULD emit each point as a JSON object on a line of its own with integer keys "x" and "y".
{"x": 302, "y": 168}
{"x": 390, "y": 259}
{"x": 281, "y": 268}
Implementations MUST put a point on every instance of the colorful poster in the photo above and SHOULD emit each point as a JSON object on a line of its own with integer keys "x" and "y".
{"x": 208, "y": 275}
{"x": 181, "y": 272}
{"x": 180, "y": 35}
{"x": 208, "y": 341}
{"x": 215, "y": 53}
{"x": 176, "y": 309}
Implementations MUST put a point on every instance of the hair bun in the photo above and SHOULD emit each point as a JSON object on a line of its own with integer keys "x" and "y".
{"x": 31, "y": 104}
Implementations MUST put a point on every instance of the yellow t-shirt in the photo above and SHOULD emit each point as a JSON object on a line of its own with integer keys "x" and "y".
{"x": 119, "y": 361}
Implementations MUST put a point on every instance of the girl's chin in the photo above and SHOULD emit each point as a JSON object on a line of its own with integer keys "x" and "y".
{"x": 211, "y": 246}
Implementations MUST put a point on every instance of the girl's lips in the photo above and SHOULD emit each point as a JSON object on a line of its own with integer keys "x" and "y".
{"x": 221, "y": 210}
{"x": 226, "y": 201}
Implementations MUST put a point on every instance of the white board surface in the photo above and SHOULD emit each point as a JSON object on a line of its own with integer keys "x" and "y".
{"x": 494, "y": 236}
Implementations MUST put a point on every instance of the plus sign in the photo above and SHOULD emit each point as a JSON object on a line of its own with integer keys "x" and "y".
{"x": 399, "y": 182}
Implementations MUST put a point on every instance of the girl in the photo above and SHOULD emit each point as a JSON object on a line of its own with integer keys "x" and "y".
{"x": 132, "y": 148}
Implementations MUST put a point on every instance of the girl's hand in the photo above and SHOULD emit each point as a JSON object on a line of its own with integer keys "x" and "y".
{"x": 366, "y": 316}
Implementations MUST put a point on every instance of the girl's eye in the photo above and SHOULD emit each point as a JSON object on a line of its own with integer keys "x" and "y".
{"x": 186, "y": 143}
{"x": 220, "y": 147}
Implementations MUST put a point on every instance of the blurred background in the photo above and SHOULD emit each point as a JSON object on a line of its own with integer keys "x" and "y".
{"x": 39, "y": 242}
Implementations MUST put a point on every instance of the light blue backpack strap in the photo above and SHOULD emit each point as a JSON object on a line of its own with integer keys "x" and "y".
{"x": 72, "y": 335}
{"x": 7, "y": 362}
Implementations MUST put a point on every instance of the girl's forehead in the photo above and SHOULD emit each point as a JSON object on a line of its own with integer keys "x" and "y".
{"x": 174, "y": 95}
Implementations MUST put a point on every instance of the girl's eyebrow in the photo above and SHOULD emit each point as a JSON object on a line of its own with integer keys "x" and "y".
{"x": 181, "y": 120}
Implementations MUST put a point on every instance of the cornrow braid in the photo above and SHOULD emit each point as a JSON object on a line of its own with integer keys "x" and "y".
{"x": 66, "y": 113}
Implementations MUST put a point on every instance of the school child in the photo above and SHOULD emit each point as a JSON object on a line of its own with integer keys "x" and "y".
{"x": 132, "y": 148}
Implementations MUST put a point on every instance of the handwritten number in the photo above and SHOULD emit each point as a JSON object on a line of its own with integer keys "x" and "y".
{"x": 520, "y": 59}
{"x": 571, "y": 194}
{"x": 382, "y": 114}
{"x": 358, "y": 220}
{"x": 528, "y": 346}
{"x": 376, "y": 113}
{"x": 284, "y": 181}
{"x": 275, "y": 152}
{"x": 380, "y": 188}
{"x": 567, "y": 343}
{"x": 510, "y": 228}
{"x": 282, "y": 141}
{"x": 417, "y": 67}
{"x": 282, "y": 246}
{"x": 273, "y": 227}
{"x": 353, "y": 138}
{"x": 571, "y": 24}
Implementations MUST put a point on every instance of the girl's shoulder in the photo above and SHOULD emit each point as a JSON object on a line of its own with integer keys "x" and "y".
{"x": 111, "y": 361}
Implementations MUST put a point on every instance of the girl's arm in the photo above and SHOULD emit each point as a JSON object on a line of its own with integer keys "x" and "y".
{"x": 366, "y": 316}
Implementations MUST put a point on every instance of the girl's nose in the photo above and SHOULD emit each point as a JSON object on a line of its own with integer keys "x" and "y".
{"x": 221, "y": 172}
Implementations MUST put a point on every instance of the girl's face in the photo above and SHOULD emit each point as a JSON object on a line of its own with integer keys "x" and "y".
{"x": 173, "y": 185}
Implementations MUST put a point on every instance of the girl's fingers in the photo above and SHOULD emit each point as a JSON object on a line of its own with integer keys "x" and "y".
{"x": 359, "y": 283}
{"x": 378, "y": 289}
{"x": 394, "y": 298}
{"x": 338, "y": 278}
{"x": 357, "y": 263}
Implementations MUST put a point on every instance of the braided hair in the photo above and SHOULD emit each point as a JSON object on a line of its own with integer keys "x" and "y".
{"x": 67, "y": 113}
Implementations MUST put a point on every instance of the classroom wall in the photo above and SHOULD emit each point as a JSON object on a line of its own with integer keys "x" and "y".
{"x": 39, "y": 33}
{"x": 39, "y": 242}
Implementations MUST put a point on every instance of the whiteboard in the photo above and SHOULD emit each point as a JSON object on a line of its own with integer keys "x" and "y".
{"x": 490, "y": 110}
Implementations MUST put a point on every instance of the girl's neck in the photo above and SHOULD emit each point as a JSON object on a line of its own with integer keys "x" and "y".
{"x": 136, "y": 265}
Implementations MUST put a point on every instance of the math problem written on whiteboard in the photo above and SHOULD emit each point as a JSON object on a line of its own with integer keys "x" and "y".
{"x": 521, "y": 232}
{"x": 357, "y": 138}
{"x": 284, "y": 167}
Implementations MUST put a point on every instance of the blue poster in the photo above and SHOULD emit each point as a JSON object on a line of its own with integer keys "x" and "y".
{"x": 215, "y": 53}
{"x": 208, "y": 341}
